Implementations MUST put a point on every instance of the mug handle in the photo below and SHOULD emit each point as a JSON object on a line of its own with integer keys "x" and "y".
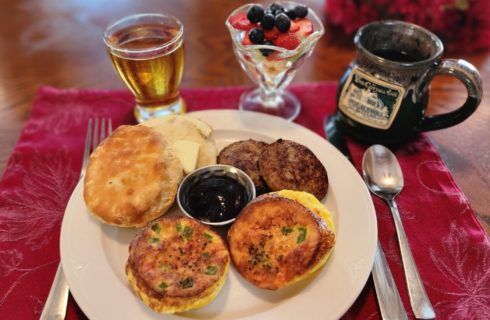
{"x": 469, "y": 76}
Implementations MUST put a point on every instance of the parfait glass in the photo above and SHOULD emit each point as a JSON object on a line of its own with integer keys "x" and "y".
{"x": 274, "y": 71}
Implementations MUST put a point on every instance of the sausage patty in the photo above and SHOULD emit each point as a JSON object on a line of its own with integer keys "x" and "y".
{"x": 244, "y": 155}
{"x": 286, "y": 164}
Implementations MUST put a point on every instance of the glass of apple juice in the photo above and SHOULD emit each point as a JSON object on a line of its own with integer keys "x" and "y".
{"x": 147, "y": 51}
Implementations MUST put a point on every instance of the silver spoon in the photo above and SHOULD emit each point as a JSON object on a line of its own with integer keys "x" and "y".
{"x": 384, "y": 178}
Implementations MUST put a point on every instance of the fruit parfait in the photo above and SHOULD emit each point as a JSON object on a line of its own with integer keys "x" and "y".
{"x": 271, "y": 43}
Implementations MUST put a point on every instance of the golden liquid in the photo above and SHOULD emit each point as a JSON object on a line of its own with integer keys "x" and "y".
{"x": 154, "y": 78}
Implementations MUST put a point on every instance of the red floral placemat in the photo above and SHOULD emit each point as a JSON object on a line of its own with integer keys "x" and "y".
{"x": 449, "y": 246}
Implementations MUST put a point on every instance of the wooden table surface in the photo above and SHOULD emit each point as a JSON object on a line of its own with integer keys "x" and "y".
{"x": 59, "y": 43}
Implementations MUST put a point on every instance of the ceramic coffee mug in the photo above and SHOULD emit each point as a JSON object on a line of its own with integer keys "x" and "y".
{"x": 383, "y": 96}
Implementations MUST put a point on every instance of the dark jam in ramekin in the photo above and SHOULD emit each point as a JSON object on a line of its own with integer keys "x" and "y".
{"x": 216, "y": 199}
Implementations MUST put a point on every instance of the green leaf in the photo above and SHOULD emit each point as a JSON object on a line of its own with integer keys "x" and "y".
{"x": 156, "y": 228}
{"x": 154, "y": 240}
{"x": 208, "y": 236}
{"x": 178, "y": 227}
{"x": 186, "y": 283}
{"x": 211, "y": 270}
{"x": 286, "y": 230}
{"x": 163, "y": 285}
{"x": 187, "y": 233}
{"x": 301, "y": 235}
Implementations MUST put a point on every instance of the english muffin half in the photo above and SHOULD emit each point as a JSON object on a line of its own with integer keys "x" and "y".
{"x": 286, "y": 164}
{"x": 278, "y": 240}
{"x": 132, "y": 177}
{"x": 186, "y": 128}
{"x": 177, "y": 264}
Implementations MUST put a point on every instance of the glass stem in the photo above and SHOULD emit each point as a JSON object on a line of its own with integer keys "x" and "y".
{"x": 270, "y": 97}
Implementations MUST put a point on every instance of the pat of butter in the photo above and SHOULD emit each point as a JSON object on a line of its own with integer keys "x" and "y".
{"x": 187, "y": 152}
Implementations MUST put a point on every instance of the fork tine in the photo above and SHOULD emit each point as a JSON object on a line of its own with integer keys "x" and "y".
{"x": 88, "y": 142}
{"x": 95, "y": 135}
{"x": 110, "y": 126}
{"x": 102, "y": 129}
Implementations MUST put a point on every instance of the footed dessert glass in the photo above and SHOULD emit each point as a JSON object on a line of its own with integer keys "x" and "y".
{"x": 275, "y": 70}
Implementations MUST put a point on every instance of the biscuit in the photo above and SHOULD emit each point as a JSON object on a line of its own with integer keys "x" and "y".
{"x": 286, "y": 164}
{"x": 177, "y": 264}
{"x": 132, "y": 177}
{"x": 277, "y": 240}
{"x": 245, "y": 155}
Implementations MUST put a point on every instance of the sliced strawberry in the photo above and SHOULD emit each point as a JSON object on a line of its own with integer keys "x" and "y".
{"x": 237, "y": 17}
{"x": 240, "y": 21}
{"x": 287, "y": 41}
{"x": 305, "y": 27}
{"x": 246, "y": 40}
{"x": 274, "y": 56}
{"x": 271, "y": 34}
{"x": 294, "y": 27}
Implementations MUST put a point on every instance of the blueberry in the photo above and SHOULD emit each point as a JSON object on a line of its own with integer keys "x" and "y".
{"x": 290, "y": 13}
{"x": 267, "y": 52}
{"x": 255, "y": 13}
{"x": 256, "y": 36}
{"x": 300, "y": 11}
{"x": 267, "y": 21}
{"x": 276, "y": 8}
{"x": 282, "y": 22}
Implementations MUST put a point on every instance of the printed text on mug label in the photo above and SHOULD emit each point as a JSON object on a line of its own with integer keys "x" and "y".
{"x": 369, "y": 100}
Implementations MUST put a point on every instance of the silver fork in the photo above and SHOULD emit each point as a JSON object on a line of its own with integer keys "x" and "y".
{"x": 55, "y": 306}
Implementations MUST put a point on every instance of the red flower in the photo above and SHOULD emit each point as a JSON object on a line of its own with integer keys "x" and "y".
{"x": 463, "y": 25}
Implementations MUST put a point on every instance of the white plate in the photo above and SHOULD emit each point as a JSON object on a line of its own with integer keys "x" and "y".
{"x": 94, "y": 255}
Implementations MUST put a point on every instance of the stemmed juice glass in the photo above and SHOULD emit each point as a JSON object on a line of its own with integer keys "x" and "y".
{"x": 274, "y": 72}
{"x": 147, "y": 52}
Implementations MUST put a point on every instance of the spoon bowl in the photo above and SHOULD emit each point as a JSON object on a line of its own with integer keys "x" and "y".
{"x": 384, "y": 178}
{"x": 381, "y": 172}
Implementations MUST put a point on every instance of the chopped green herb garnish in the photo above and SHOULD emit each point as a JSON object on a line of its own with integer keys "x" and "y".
{"x": 301, "y": 235}
{"x": 178, "y": 227}
{"x": 186, "y": 283}
{"x": 154, "y": 240}
{"x": 156, "y": 228}
{"x": 262, "y": 256}
{"x": 208, "y": 236}
{"x": 259, "y": 257}
{"x": 164, "y": 268}
{"x": 286, "y": 230}
{"x": 211, "y": 270}
{"x": 187, "y": 233}
{"x": 163, "y": 285}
